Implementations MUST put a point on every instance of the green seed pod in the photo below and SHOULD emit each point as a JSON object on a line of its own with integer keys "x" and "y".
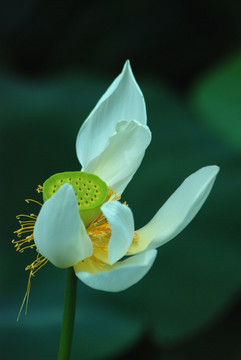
{"x": 91, "y": 192}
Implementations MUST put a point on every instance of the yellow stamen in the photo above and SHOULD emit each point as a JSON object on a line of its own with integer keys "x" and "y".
{"x": 36, "y": 265}
{"x": 35, "y": 201}
{"x": 112, "y": 195}
{"x": 39, "y": 189}
{"x": 99, "y": 232}
{"x": 27, "y": 226}
{"x": 27, "y": 223}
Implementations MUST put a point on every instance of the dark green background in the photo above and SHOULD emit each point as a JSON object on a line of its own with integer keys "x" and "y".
{"x": 57, "y": 59}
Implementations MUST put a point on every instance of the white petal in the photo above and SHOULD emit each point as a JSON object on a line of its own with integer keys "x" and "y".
{"x": 122, "y": 101}
{"x": 59, "y": 232}
{"x": 121, "y": 223}
{"x": 122, "y": 156}
{"x": 178, "y": 210}
{"x": 122, "y": 275}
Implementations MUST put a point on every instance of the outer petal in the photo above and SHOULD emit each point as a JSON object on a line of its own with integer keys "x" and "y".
{"x": 122, "y": 101}
{"x": 59, "y": 232}
{"x": 121, "y": 222}
{"x": 122, "y": 156}
{"x": 178, "y": 210}
{"x": 120, "y": 276}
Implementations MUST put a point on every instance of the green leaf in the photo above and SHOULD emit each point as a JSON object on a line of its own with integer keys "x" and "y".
{"x": 219, "y": 341}
{"x": 216, "y": 98}
{"x": 97, "y": 334}
{"x": 101, "y": 330}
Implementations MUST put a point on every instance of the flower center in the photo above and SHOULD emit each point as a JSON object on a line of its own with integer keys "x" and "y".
{"x": 91, "y": 192}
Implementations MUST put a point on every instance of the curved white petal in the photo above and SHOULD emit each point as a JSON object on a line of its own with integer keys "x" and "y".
{"x": 121, "y": 223}
{"x": 122, "y": 156}
{"x": 123, "y": 100}
{"x": 59, "y": 232}
{"x": 122, "y": 275}
{"x": 178, "y": 210}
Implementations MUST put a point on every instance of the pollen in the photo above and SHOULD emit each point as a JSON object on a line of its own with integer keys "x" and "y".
{"x": 99, "y": 232}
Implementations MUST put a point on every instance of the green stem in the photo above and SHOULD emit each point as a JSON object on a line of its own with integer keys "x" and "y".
{"x": 68, "y": 315}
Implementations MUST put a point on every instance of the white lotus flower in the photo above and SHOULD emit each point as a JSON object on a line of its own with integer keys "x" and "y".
{"x": 82, "y": 222}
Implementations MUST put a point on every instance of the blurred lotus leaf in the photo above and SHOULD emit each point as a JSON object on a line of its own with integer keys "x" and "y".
{"x": 216, "y": 98}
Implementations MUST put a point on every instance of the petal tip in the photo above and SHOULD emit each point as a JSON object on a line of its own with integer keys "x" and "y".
{"x": 127, "y": 70}
{"x": 216, "y": 168}
{"x": 127, "y": 65}
{"x": 211, "y": 170}
{"x": 128, "y": 73}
